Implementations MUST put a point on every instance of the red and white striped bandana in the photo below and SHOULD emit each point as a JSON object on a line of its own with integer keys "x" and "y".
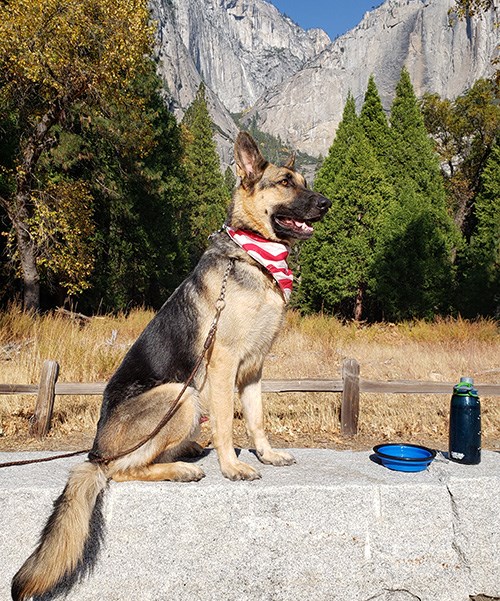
{"x": 272, "y": 255}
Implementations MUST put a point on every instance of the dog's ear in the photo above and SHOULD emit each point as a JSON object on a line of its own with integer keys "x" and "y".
{"x": 250, "y": 163}
{"x": 290, "y": 164}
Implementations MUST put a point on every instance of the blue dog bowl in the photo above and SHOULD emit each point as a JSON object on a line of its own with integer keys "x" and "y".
{"x": 404, "y": 457}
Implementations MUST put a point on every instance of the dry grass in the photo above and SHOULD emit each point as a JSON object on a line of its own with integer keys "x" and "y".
{"x": 312, "y": 347}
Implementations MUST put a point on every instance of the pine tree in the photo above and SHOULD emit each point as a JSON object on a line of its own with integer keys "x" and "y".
{"x": 337, "y": 264}
{"x": 413, "y": 159}
{"x": 208, "y": 193}
{"x": 230, "y": 181}
{"x": 415, "y": 272}
{"x": 479, "y": 291}
{"x": 139, "y": 187}
{"x": 374, "y": 122}
{"x": 333, "y": 163}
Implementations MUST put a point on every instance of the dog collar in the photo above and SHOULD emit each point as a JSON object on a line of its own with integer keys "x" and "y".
{"x": 272, "y": 255}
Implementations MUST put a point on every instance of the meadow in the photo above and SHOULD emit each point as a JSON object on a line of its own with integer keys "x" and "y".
{"x": 308, "y": 347}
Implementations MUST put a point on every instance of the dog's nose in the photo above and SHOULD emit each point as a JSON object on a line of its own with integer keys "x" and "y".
{"x": 323, "y": 203}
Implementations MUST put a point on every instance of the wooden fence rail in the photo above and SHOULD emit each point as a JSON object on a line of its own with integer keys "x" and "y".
{"x": 350, "y": 386}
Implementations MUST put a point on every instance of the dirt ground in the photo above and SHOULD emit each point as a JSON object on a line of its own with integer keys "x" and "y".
{"x": 76, "y": 441}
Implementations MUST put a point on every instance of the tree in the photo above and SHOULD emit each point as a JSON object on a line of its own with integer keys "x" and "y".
{"x": 464, "y": 132}
{"x": 374, "y": 122}
{"x": 55, "y": 55}
{"x": 414, "y": 273}
{"x": 337, "y": 264}
{"x": 208, "y": 195}
{"x": 479, "y": 290}
{"x": 134, "y": 166}
{"x": 413, "y": 161}
{"x": 334, "y": 161}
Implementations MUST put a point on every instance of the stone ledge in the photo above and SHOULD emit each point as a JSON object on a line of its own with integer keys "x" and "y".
{"x": 334, "y": 527}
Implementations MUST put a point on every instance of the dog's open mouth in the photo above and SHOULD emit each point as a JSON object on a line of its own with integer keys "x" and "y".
{"x": 294, "y": 227}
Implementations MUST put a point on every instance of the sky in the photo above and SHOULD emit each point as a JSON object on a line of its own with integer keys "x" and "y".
{"x": 334, "y": 16}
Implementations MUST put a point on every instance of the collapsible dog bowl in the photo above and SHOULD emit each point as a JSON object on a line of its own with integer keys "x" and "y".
{"x": 404, "y": 457}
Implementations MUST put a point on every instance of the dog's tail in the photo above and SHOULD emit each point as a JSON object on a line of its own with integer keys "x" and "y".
{"x": 73, "y": 531}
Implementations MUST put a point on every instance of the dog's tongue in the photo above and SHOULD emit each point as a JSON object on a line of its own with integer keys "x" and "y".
{"x": 300, "y": 226}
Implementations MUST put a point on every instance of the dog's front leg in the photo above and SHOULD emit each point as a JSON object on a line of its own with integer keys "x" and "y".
{"x": 251, "y": 399}
{"x": 221, "y": 376}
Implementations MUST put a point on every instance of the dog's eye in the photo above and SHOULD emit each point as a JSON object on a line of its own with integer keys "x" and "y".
{"x": 285, "y": 182}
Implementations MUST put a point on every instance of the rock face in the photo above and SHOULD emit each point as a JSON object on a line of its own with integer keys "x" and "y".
{"x": 182, "y": 78}
{"x": 242, "y": 48}
{"x": 294, "y": 83}
{"x": 440, "y": 56}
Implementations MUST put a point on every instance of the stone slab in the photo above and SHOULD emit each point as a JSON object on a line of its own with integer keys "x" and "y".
{"x": 335, "y": 527}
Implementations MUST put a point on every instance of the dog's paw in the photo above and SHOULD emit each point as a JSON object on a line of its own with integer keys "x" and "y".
{"x": 240, "y": 471}
{"x": 186, "y": 472}
{"x": 272, "y": 457}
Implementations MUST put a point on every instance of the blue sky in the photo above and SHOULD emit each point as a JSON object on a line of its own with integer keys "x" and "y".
{"x": 334, "y": 16}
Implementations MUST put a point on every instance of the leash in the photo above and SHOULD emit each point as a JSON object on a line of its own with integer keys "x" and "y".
{"x": 220, "y": 304}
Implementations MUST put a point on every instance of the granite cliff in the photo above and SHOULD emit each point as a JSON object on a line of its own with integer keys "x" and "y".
{"x": 294, "y": 83}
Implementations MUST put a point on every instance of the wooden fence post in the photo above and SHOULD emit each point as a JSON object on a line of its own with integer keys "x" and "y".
{"x": 349, "y": 410}
{"x": 40, "y": 422}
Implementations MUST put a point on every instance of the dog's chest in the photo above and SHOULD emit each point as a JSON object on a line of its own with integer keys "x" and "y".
{"x": 252, "y": 321}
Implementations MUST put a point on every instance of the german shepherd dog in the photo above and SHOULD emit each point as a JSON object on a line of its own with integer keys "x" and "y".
{"x": 272, "y": 203}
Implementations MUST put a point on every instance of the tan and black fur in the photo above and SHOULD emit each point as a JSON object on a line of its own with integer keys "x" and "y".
{"x": 271, "y": 201}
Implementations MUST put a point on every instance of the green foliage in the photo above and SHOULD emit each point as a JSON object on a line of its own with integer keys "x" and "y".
{"x": 479, "y": 290}
{"x": 374, "y": 122}
{"x": 229, "y": 181}
{"x": 338, "y": 262}
{"x": 332, "y": 165}
{"x": 386, "y": 247}
{"x": 415, "y": 276}
{"x": 112, "y": 193}
{"x": 140, "y": 188}
{"x": 413, "y": 159}
{"x": 413, "y": 273}
{"x": 208, "y": 194}
{"x": 464, "y": 132}
{"x": 56, "y": 56}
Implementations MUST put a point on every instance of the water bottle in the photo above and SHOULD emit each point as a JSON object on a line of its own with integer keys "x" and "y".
{"x": 465, "y": 424}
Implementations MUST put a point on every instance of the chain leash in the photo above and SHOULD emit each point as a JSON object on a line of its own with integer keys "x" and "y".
{"x": 220, "y": 304}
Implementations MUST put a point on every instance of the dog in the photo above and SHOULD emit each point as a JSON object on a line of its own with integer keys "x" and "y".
{"x": 243, "y": 273}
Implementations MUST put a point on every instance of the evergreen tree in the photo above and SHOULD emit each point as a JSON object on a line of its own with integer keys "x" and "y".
{"x": 479, "y": 290}
{"x": 230, "y": 181}
{"x": 337, "y": 263}
{"x": 414, "y": 161}
{"x": 374, "y": 122}
{"x": 208, "y": 196}
{"x": 334, "y": 161}
{"x": 414, "y": 273}
{"x": 140, "y": 188}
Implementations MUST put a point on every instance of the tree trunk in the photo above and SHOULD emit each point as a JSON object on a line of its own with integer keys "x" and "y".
{"x": 20, "y": 210}
{"x": 358, "y": 307}
{"x": 31, "y": 279}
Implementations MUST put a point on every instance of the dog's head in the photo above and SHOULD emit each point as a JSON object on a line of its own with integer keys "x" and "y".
{"x": 273, "y": 201}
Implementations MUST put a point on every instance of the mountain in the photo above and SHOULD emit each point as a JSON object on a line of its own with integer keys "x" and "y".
{"x": 441, "y": 54}
{"x": 242, "y": 48}
{"x": 293, "y": 83}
